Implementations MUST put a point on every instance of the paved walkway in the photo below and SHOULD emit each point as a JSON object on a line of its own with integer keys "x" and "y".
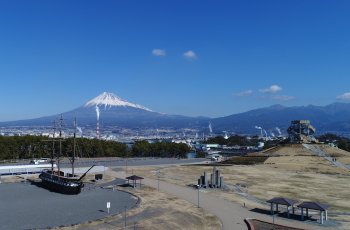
{"x": 319, "y": 152}
{"x": 231, "y": 214}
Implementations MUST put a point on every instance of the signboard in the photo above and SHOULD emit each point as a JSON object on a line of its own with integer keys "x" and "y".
{"x": 108, "y": 204}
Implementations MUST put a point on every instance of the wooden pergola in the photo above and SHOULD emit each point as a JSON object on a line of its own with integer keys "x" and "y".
{"x": 134, "y": 180}
{"x": 314, "y": 206}
{"x": 282, "y": 201}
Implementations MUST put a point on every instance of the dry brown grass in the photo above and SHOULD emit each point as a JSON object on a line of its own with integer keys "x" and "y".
{"x": 157, "y": 210}
{"x": 292, "y": 172}
{"x": 341, "y": 155}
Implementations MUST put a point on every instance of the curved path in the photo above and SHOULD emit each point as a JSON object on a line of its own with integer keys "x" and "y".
{"x": 231, "y": 214}
{"x": 26, "y": 206}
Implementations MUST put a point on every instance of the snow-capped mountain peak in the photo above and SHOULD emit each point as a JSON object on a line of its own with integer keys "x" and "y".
{"x": 109, "y": 100}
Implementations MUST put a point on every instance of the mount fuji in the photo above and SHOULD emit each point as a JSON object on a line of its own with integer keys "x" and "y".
{"x": 109, "y": 100}
{"x": 115, "y": 111}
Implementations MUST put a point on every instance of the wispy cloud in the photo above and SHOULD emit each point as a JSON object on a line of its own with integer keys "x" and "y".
{"x": 271, "y": 89}
{"x": 344, "y": 96}
{"x": 159, "y": 52}
{"x": 191, "y": 55}
{"x": 246, "y": 93}
{"x": 282, "y": 97}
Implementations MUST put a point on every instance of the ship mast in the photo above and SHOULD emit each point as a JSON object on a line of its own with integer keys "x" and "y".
{"x": 73, "y": 157}
{"x": 60, "y": 140}
{"x": 53, "y": 145}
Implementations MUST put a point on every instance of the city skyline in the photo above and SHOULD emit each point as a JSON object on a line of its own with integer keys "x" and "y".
{"x": 195, "y": 58}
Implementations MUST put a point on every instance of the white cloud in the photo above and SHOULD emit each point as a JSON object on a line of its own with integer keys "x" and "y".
{"x": 159, "y": 52}
{"x": 345, "y": 96}
{"x": 271, "y": 89}
{"x": 283, "y": 97}
{"x": 190, "y": 55}
{"x": 246, "y": 93}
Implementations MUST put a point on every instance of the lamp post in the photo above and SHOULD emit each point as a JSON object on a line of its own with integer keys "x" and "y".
{"x": 198, "y": 197}
{"x": 126, "y": 166}
{"x": 125, "y": 218}
{"x": 158, "y": 174}
{"x": 273, "y": 219}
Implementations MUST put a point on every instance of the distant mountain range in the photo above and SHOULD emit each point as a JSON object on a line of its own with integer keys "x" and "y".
{"x": 114, "y": 111}
{"x": 330, "y": 118}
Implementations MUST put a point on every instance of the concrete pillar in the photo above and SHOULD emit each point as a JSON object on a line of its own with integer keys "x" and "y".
{"x": 321, "y": 217}
{"x": 271, "y": 209}
{"x": 277, "y": 208}
{"x": 288, "y": 211}
{"x": 326, "y": 216}
{"x": 217, "y": 177}
{"x": 302, "y": 213}
{"x": 214, "y": 175}
{"x": 221, "y": 182}
{"x": 212, "y": 180}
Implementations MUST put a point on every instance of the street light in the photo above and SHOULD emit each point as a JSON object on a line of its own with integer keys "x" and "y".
{"x": 158, "y": 174}
{"x": 125, "y": 217}
{"x": 198, "y": 197}
{"x": 126, "y": 166}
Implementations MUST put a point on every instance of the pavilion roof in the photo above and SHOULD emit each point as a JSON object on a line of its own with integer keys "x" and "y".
{"x": 314, "y": 206}
{"x": 282, "y": 201}
{"x": 134, "y": 177}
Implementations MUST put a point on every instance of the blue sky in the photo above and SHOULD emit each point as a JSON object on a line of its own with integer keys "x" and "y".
{"x": 211, "y": 58}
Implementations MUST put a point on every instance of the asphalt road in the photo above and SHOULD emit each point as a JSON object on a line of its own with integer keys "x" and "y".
{"x": 107, "y": 162}
{"x": 134, "y": 162}
{"x": 113, "y": 162}
{"x": 26, "y": 206}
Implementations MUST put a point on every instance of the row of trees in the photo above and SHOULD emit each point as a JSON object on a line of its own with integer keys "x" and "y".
{"x": 160, "y": 149}
{"x": 28, "y": 147}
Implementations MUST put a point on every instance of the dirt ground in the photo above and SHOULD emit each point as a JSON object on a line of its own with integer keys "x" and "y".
{"x": 291, "y": 172}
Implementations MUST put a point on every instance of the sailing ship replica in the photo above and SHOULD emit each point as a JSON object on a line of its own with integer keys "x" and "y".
{"x": 56, "y": 180}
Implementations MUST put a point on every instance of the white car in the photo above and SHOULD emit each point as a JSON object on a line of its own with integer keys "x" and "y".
{"x": 38, "y": 161}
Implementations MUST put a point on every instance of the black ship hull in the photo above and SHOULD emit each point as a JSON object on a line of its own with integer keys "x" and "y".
{"x": 60, "y": 184}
